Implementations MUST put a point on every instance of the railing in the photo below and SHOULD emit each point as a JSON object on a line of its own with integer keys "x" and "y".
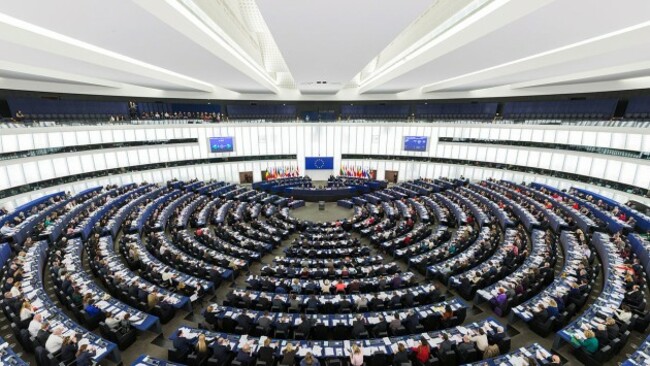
{"x": 77, "y": 148}
{"x": 547, "y": 145}
{"x": 275, "y": 119}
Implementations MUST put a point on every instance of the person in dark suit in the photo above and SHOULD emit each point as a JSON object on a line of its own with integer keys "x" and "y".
{"x": 68, "y": 350}
{"x": 540, "y": 315}
{"x": 498, "y": 336}
{"x": 446, "y": 345}
{"x": 278, "y": 303}
{"x": 375, "y": 302}
{"x": 210, "y": 315}
{"x": 244, "y": 321}
{"x": 345, "y": 304}
{"x": 66, "y": 285}
{"x": 634, "y": 297}
{"x": 282, "y": 324}
{"x": 358, "y": 326}
{"x": 265, "y": 321}
{"x": 612, "y": 328}
{"x": 221, "y": 350}
{"x": 380, "y": 327}
{"x": 244, "y": 355}
{"x": 266, "y": 353}
{"x": 305, "y": 325}
{"x": 401, "y": 356}
{"x": 84, "y": 356}
{"x": 313, "y": 303}
{"x": 412, "y": 321}
{"x": 182, "y": 344}
{"x": 396, "y": 281}
{"x": 43, "y": 334}
{"x": 395, "y": 301}
{"x": 263, "y": 302}
{"x": 546, "y": 270}
{"x": 466, "y": 346}
{"x": 601, "y": 335}
{"x": 409, "y": 299}
{"x": 142, "y": 295}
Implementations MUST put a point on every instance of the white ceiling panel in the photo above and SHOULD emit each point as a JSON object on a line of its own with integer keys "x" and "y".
{"x": 333, "y": 40}
{"x": 556, "y": 25}
{"x": 126, "y": 28}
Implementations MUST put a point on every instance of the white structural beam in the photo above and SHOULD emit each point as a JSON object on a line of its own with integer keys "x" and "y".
{"x": 189, "y": 20}
{"x": 491, "y": 17}
{"x": 627, "y": 38}
{"x": 59, "y": 75}
{"x": 29, "y": 35}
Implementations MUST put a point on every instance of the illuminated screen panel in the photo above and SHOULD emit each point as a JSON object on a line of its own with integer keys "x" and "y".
{"x": 221, "y": 144}
{"x": 415, "y": 143}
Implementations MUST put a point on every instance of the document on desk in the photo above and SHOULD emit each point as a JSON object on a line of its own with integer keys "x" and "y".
{"x": 99, "y": 351}
{"x": 317, "y": 351}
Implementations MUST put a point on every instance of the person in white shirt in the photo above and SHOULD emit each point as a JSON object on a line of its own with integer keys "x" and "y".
{"x": 15, "y": 289}
{"x": 167, "y": 276}
{"x": 6, "y": 229}
{"x": 481, "y": 340}
{"x": 325, "y": 287}
{"x": 624, "y": 314}
{"x": 112, "y": 322}
{"x": 54, "y": 341}
{"x": 35, "y": 325}
{"x": 26, "y": 311}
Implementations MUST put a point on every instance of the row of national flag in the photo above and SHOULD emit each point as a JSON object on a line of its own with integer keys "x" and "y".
{"x": 354, "y": 171}
{"x": 282, "y": 172}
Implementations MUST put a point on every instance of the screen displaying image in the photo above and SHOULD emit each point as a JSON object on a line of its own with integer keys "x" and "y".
{"x": 221, "y": 144}
{"x": 415, "y": 143}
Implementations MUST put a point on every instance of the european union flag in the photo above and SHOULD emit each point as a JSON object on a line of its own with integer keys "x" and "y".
{"x": 319, "y": 163}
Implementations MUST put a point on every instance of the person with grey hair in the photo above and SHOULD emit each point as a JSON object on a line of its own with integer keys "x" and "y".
{"x": 498, "y": 336}
{"x": 466, "y": 346}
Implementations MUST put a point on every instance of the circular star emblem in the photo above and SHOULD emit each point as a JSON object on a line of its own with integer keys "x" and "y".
{"x": 319, "y": 163}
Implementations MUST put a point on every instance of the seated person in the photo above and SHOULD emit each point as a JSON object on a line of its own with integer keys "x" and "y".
{"x": 634, "y": 297}
{"x": 466, "y": 346}
{"x": 245, "y": 355}
{"x": 201, "y": 348}
{"x": 54, "y": 341}
{"x": 588, "y": 342}
{"x": 266, "y": 353}
{"x": 84, "y": 356}
{"x": 221, "y": 349}
{"x": 540, "y": 315}
{"x": 422, "y": 351}
{"x": 401, "y": 356}
{"x": 181, "y": 344}
{"x": 309, "y": 360}
{"x": 92, "y": 310}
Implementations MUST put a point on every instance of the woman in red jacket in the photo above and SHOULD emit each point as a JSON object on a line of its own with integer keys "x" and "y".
{"x": 422, "y": 351}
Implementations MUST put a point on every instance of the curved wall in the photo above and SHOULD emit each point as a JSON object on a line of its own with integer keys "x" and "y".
{"x": 319, "y": 139}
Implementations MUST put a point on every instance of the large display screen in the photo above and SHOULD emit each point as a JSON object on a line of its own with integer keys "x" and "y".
{"x": 221, "y": 144}
{"x": 318, "y": 163}
{"x": 415, "y": 143}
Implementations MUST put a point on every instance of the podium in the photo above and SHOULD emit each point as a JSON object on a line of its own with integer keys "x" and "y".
{"x": 321, "y": 205}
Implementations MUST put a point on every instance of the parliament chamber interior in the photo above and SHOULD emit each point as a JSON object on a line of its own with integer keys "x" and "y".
{"x": 324, "y": 183}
